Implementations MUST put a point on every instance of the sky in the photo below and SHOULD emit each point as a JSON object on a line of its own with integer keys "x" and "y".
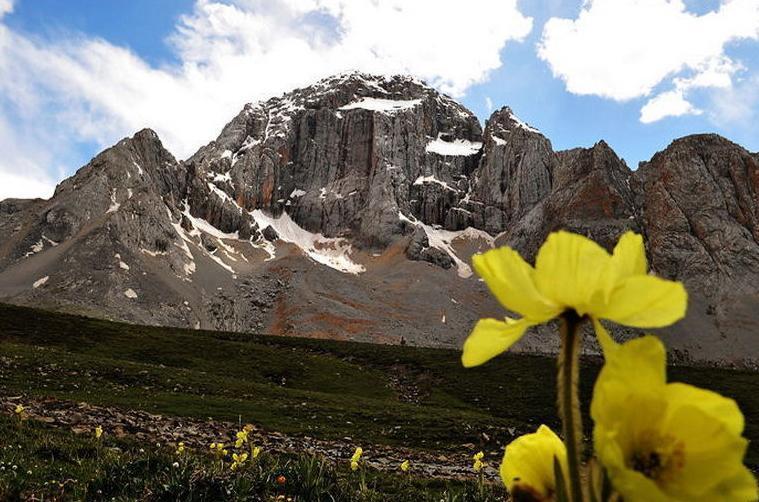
{"x": 77, "y": 76}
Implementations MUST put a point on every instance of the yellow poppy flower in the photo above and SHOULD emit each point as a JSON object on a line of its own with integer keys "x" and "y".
{"x": 527, "y": 469}
{"x": 242, "y": 437}
{"x": 19, "y": 409}
{"x": 98, "y": 432}
{"x": 664, "y": 441}
{"x": 238, "y": 460}
{"x": 357, "y": 454}
{"x": 571, "y": 273}
{"x": 478, "y": 463}
{"x": 405, "y": 465}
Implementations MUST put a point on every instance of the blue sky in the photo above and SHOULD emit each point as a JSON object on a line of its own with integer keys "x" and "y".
{"x": 78, "y": 75}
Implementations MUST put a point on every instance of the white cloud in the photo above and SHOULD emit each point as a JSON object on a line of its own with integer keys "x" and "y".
{"x": 667, "y": 104}
{"x": 6, "y": 7}
{"x": 488, "y": 104}
{"x": 625, "y": 49}
{"x": 240, "y": 51}
{"x": 22, "y": 186}
{"x": 737, "y": 105}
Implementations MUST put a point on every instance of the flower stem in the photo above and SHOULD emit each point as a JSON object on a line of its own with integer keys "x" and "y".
{"x": 569, "y": 400}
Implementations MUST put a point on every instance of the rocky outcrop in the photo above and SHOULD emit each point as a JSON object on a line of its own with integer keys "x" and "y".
{"x": 342, "y": 157}
{"x": 514, "y": 175}
{"x": 700, "y": 201}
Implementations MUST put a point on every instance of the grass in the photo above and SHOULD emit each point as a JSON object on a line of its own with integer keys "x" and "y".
{"x": 40, "y": 463}
{"x": 319, "y": 388}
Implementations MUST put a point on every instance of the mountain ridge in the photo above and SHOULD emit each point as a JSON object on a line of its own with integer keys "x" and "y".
{"x": 350, "y": 209}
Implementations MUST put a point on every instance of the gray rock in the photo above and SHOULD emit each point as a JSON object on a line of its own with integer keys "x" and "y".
{"x": 270, "y": 234}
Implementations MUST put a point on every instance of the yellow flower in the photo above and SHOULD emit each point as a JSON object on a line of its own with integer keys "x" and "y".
{"x": 527, "y": 469}
{"x": 180, "y": 448}
{"x": 19, "y": 409}
{"x": 238, "y": 460}
{"x": 242, "y": 437}
{"x": 478, "y": 463}
{"x": 571, "y": 274}
{"x": 405, "y": 465}
{"x": 218, "y": 450}
{"x": 98, "y": 432}
{"x": 664, "y": 441}
{"x": 256, "y": 451}
{"x": 354, "y": 461}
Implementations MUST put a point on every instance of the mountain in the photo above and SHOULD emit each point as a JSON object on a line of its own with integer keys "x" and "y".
{"x": 351, "y": 208}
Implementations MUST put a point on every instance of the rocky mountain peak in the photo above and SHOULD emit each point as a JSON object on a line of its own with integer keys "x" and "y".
{"x": 505, "y": 121}
{"x": 306, "y": 215}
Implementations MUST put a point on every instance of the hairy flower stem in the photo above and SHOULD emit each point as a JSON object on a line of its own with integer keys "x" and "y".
{"x": 569, "y": 400}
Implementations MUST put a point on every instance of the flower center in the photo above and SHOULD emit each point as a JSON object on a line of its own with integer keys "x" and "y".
{"x": 659, "y": 457}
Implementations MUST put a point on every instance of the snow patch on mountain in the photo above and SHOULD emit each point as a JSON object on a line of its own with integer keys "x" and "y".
{"x": 453, "y": 148}
{"x": 114, "y": 205}
{"x": 432, "y": 179}
{"x": 40, "y": 282}
{"x": 443, "y": 240}
{"x": 382, "y": 105}
{"x": 334, "y": 253}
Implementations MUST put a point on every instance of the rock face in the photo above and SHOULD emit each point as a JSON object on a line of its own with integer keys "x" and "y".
{"x": 351, "y": 208}
{"x": 342, "y": 157}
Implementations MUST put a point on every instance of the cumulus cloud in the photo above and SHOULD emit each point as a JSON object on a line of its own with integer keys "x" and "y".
{"x": 667, "y": 104}
{"x": 235, "y": 51}
{"x": 626, "y": 49}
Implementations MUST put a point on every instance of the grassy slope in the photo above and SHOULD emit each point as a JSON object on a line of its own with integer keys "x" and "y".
{"x": 40, "y": 463}
{"x": 299, "y": 386}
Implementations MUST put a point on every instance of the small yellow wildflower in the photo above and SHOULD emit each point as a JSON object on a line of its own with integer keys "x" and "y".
{"x": 19, "y": 409}
{"x": 255, "y": 451}
{"x": 356, "y": 458}
{"x": 405, "y": 465}
{"x": 238, "y": 460}
{"x": 242, "y": 438}
{"x": 478, "y": 463}
{"x": 98, "y": 432}
{"x": 527, "y": 469}
{"x": 571, "y": 274}
{"x": 180, "y": 448}
{"x": 218, "y": 450}
{"x": 664, "y": 441}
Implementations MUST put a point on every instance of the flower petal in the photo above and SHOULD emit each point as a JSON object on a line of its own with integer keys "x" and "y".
{"x": 721, "y": 408}
{"x": 529, "y": 460}
{"x": 637, "y": 366}
{"x": 742, "y": 486}
{"x": 629, "y": 256}
{"x": 607, "y": 343}
{"x": 510, "y": 279}
{"x": 491, "y": 337}
{"x": 645, "y": 301}
{"x": 711, "y": 452}
{"x": 569, "y": 270}
{"x": 628, "y": 259}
